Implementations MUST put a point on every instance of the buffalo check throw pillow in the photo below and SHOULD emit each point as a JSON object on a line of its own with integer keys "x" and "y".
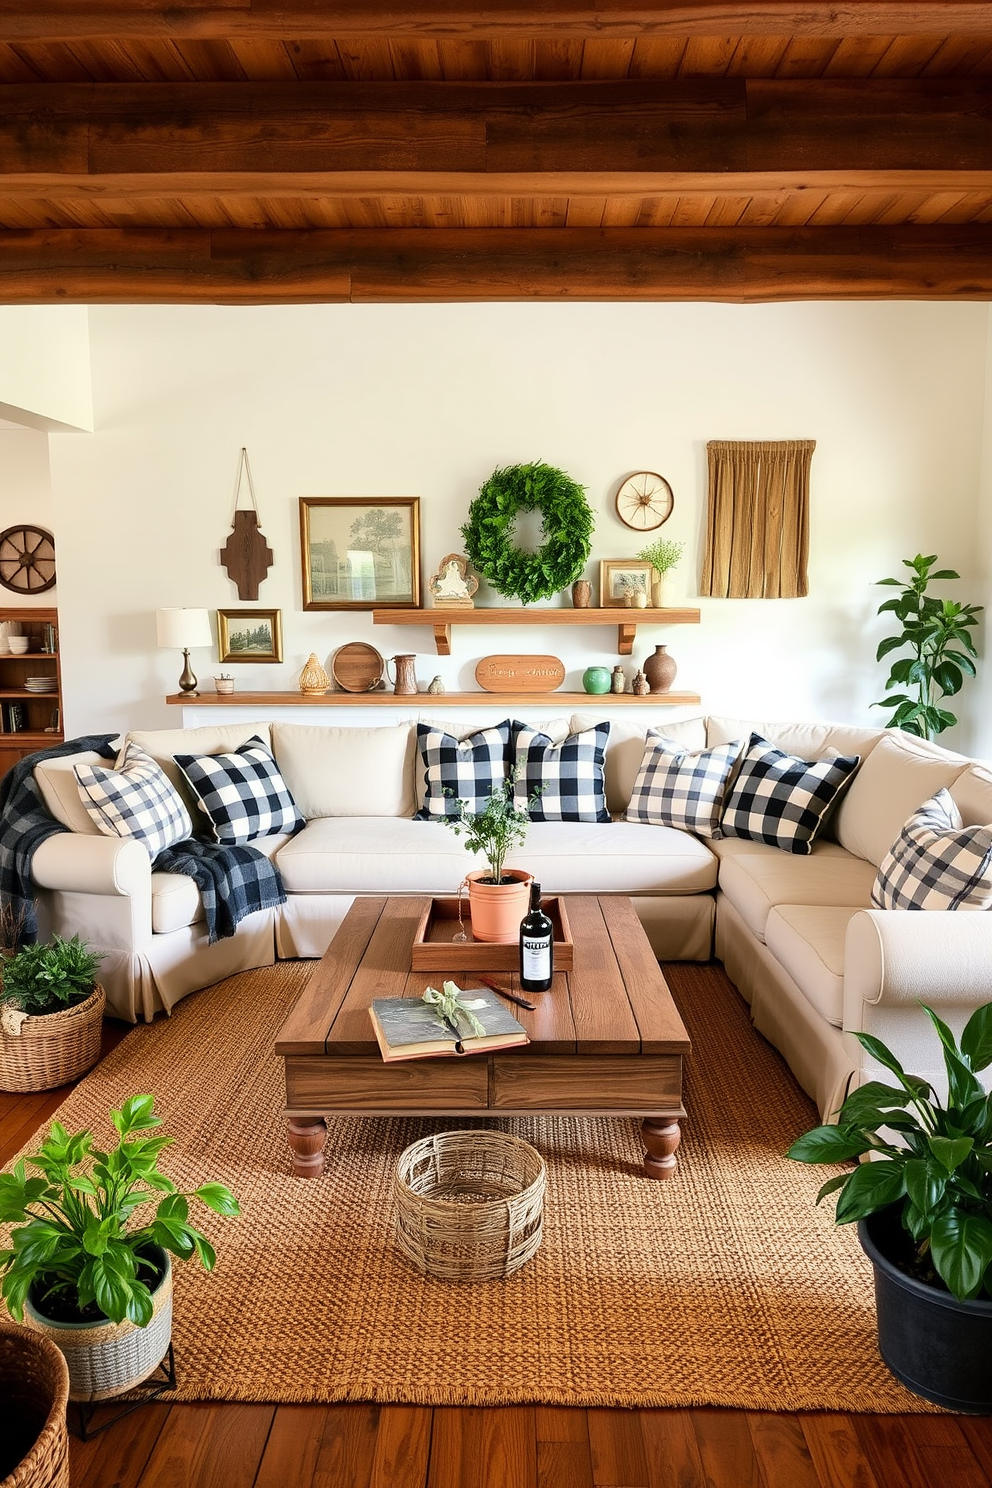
{"x": 936, "y": 863}
{"x": 678, "y": 787}
{"x": 782, "y": 800}
{"x": 468, "y": 769}
{"x": 242, "y": 793}
{"x": 138, "y": 801}
{"x": 569, "y": 775}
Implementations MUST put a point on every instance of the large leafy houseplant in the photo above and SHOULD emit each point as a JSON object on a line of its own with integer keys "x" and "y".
{"x": 936, "y": 635}
{"x": 75, "y": 1246}
{"x": 933, "y": 1161}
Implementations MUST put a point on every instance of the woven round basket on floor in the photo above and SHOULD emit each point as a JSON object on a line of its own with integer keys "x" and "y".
{"x": 54, "y": 1049}
{"x": 34, "y": 1387}
{"x": 469, "y": 1204}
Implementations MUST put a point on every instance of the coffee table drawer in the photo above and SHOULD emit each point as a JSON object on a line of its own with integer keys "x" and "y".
{"x": 328, "y": 1084}
{"x": 553, "y": 1082}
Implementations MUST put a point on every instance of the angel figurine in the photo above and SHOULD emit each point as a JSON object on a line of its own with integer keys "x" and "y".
{"x": 453, "y": 584}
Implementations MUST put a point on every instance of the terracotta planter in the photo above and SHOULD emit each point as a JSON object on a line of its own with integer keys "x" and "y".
{"x": 53, "y": 1049}
{"x": 106, "y": 1359}
{"x": 497, "y": 909}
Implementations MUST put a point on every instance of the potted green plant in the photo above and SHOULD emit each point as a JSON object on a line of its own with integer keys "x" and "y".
{"x": 663, "y": 555}
{"x": 941, "y": 650}
{"x": 498, "y": 897}
{"x": 923, "y": 1207}
{"x": 51, "y": 1015}
{"x": 81, "y": 1269}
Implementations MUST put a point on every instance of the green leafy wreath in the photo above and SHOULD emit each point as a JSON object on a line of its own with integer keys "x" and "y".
{"x": 568, "y": 524}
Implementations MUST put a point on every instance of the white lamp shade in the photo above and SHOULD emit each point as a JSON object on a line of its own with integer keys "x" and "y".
{"x": 183, "y": 629}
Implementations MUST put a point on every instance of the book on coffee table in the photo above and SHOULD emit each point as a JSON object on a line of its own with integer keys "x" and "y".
{"x": 407, "y": 1028}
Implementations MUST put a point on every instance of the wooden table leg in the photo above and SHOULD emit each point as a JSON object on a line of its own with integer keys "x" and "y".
{"x": 306, "y": 1138}
{"x": 661, "y": 1138}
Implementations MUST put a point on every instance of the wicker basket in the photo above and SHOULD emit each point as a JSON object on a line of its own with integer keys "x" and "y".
{"x": 34, "y": 1387}
{"x": 53, "y": 1049}
{"x": 469, "y": 1204}
{"x": 106, "y": 1359}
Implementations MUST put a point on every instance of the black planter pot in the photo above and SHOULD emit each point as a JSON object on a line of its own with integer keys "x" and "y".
{"x": 938, "y": 1347}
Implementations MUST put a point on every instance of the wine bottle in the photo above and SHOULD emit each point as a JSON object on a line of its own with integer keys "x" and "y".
{"x": 536, "y": 945}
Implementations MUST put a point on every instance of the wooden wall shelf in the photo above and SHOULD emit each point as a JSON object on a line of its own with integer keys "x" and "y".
{"x": 626, "y": 621}
{"x": 429, "y": 700}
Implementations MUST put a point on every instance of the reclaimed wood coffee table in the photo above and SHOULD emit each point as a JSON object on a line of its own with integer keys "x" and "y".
{"x": 606, "y": 1040}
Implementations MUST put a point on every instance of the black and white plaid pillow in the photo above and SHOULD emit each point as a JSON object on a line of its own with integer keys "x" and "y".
{"x": 936, "y": 863}
{"x": 138, "y": 800}
{"x": 242, "y": 792}
{"x": 571, "y": 774}
{"x": 782, "y": 800}
{"x": 679, "y": 787}
{"x": 468, "y": 769}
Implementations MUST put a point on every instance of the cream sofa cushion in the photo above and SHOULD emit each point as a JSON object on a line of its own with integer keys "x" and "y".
{"x": 972, "y": 795}
{"x": 176, "y": 902}
{"x": 625, "y": 748}
{"x": 60, "y": 789}
{"x": 383, "y": 855}
{"x": 347, "y": 771}
{"x": 756, "y": 883}
{"x": 164, "y": 744}
{"x": 808, "y": 741}
{"x": 899, "y": 774}
{"x": 808, "y": 941}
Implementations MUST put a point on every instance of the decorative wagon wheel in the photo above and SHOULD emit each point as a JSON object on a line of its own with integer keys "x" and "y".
{"x": 27, "y": 559}
{"x": 644, "y": 501}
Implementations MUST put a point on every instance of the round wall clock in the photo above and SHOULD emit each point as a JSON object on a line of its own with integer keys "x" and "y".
{"x": 644, "y": 501}
{"x": 27, "y": 559}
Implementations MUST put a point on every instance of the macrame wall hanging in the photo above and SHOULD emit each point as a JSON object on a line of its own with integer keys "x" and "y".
{"x": 246, "y": 555}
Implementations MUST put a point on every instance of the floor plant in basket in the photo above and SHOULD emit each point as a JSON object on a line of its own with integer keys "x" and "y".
{"x": 82, "y": 1268}
{"x": 923, "y": 1205}
{"x": 51, "y": 1014}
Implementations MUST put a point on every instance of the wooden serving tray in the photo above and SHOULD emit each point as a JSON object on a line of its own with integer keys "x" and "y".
{"x": 435, "y": 948}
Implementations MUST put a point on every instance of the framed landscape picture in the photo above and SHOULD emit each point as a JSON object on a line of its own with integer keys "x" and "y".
{"x": 360, "y": 553}
{"x": 249, "y": 635}
{"x": 620, "y": 578}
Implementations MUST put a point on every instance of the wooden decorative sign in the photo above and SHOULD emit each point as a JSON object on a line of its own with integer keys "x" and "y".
{"x": 520, "y": 673}
{"x": 246, "y": 555}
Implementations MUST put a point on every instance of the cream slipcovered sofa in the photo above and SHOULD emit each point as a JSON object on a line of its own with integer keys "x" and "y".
{"x": 796, "y": 934}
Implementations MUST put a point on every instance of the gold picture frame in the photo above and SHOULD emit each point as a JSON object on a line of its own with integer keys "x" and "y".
{"x": 360, "y": 552}
{"x": 618, "y": 576}
{"x": 249, "y": 635}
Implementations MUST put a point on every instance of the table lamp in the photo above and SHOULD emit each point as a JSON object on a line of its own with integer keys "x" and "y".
{"x": 182, "y": 630}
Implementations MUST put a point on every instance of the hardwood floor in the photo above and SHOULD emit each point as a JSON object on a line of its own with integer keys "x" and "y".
{"x": 400, "y": 1446}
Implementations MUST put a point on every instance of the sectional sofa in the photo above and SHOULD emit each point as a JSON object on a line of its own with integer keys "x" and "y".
{"x": 797, "y": 934}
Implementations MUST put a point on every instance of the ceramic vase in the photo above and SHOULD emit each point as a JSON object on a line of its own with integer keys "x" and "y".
{"x": 660, "y": 670}
{"x": 657, "y": 590}
{"x": 314, "y": 681}
{"x": 581, "y": 594}
{"x": 596, "y": 679}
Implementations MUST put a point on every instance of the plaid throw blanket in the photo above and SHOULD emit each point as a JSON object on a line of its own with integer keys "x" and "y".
{"x": 233, "y": 881}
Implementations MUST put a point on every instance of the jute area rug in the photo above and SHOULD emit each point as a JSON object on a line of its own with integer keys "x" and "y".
{"x": 725, "y": 1286}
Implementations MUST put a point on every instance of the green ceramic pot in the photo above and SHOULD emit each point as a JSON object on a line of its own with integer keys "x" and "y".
{"x": 596, "y": 679}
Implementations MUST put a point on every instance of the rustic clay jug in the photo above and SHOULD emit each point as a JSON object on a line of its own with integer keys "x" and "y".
{"x": 660, "y": 670}
{"x": 581, "y": 594}
{"x": 406, "y": 674}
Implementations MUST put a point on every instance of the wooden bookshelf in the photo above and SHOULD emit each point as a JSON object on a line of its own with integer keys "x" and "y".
{"x": 37, "y": 710}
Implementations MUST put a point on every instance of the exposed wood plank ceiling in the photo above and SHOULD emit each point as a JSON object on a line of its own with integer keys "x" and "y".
{"x": 258, "y": 151}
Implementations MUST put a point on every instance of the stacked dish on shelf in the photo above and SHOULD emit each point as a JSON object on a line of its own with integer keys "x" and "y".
{"x": 41, "y": 684}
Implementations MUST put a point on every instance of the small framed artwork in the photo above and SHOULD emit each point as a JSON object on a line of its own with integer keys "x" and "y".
{"x": 622, "y": 579}
{"x": 360, "y": 553}
{"x": 249, "y": 635}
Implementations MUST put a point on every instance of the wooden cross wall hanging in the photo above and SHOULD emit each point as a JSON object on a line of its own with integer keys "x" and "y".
{"x": 246, "y": 555}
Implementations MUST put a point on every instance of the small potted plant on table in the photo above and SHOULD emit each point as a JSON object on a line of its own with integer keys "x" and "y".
{"x": 51, "y": 1015}
{"x": 498, "y": 897}
{"x": 101, "y": 1290}
{"x": 923, "y": 1208}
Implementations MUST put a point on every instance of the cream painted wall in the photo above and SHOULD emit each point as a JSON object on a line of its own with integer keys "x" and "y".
{"x": 44, "y": 366}
{"x": 426, "y": 400}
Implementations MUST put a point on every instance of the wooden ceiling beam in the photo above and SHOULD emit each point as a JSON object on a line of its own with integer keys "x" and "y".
{"x": 203, "y": 266}
{"x": 114, "y": 20}
{"x": 166, "y": 139}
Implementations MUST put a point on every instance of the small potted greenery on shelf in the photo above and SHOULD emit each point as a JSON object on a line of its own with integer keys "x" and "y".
{"x": 498, "y": 897}
{"x": 923, "y": 1207}
{"x": 664, "y": 554}
{"x": 51, "y": 1014}
{"x": 98, "y": 1284}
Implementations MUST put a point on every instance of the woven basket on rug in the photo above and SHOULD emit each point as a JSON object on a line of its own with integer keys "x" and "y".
{"x": 34, "y": 1387}
{"x": 53, "y": 1049}
{"x": 106, "y": 1359}
{"x": 469, "y": 1204}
